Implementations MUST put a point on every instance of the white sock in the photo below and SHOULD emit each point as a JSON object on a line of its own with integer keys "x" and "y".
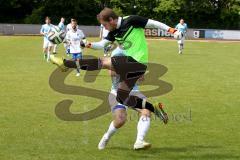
{"x": 48, "y": 55}
{"x": 179, "y": 47}
{"x": 54, "y": 48}
{"x": 142, "y": 127}
{"x": 111, "y": 130}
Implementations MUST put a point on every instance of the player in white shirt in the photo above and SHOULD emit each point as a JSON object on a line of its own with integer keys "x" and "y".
{"x": 103, "y": 35}
{"x": 74, "y": 38}
{"x": 62, "y": 28}
{"x": 68, "y": 28}
{"x": 182, "y": 27}
{"x": 47, "y": 45}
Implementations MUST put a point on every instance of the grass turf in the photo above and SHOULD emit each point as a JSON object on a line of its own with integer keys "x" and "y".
{"x": 203, "y": 106}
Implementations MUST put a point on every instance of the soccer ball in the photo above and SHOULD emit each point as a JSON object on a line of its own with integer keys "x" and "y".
{"x": 178, "y": 35}
{"x": 56, "y": 36}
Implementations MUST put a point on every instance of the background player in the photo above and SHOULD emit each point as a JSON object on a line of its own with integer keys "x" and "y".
{"x": 68, "y": 28}
{"x": 182, "y": 27}
{"x": 62, "y": 28}
{"x": 74, "y": 37}
{"x": 47, "y": 45}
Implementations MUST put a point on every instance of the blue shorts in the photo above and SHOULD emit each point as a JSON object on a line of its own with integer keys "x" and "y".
{"x": 76, "y": 56}
{"x": 68, "y": 50}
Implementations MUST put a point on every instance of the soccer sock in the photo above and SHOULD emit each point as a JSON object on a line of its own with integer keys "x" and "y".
{"x": 133, "y": 101}
{"x": 44, "y": 54}
{"x": 48, "y": 54}
{"x": 86, "y": 64}
{"x": 78, "y": 66}
{"x": 111, "y": 130}
{"x": 143, "y": 104}
{"x": 179, "y": 47}
{"x": 54, "y": 48}
{"x": 142, "y": 127}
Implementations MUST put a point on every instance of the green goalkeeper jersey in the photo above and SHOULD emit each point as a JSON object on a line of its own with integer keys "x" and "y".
{"x": 131, "y": 37}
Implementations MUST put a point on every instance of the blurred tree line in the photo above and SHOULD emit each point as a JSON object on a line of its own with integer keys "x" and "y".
{"x": 222, "y": 14}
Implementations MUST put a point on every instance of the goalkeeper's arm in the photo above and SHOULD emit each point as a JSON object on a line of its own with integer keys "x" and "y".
{"x": 98, "y": 45}
{"x": 155, "y": 24}
{"x": 142, "y": 22}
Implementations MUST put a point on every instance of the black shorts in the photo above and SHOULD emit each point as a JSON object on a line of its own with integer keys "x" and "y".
{"x": 128, "y": 68}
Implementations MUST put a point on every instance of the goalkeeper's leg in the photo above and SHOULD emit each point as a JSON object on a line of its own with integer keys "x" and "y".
{"x": 90, "y": 64}
{"x": 129, "y": 70}
{"x": 123, "y": 97}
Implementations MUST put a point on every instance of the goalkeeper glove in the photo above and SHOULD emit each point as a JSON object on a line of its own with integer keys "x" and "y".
{"x": 88, "y": 45}
{"x": 172, "y": 30}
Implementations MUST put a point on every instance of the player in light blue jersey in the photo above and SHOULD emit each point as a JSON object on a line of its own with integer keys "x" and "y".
{"x": 120, "y": 113}
{"x": 62, "y": 28}
{"x": 47, "y": 45}
{"x": 61, "y": 24}
{"x": 182, "y": 27}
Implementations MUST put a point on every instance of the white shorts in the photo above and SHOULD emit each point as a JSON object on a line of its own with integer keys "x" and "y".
{"x": 47, "y": 43}
{"x": 113, "y": 102}
{"x": 118, "y": 52}
{"x": 181, "y": 41}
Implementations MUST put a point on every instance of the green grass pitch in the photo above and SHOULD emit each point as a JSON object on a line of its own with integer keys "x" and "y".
{"x": 203, "y": 106}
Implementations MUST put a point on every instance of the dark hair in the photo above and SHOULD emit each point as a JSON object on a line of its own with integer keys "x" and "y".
{"x": 73, "y": 20}
{"x": 47, "y": 18}
{"x": 106, "y": 14}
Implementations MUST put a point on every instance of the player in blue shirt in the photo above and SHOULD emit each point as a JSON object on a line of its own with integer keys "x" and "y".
{"x": 61, "y": 24}
{"x": 62, "y": 27}
{"x": 182, "y": 27}
{"x": 47, "y": 45}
